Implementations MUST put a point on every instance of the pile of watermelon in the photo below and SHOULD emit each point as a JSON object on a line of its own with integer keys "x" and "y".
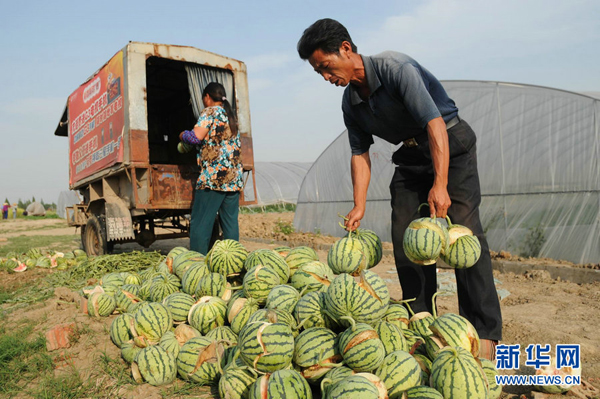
{"x": 283, "y": 324}
{"x": 34, "y": 257}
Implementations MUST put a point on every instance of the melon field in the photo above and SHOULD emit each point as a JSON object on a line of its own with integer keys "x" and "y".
{"x": 537, "y": 309}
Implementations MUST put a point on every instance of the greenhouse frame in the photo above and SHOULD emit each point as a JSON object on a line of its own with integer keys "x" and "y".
{"x": 538, "y": 158}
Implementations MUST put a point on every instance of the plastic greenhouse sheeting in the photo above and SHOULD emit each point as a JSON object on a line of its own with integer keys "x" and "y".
{"x": 65, "y": 199}
{"x": 538, "y": 157}
{"x": 277, "y": 182}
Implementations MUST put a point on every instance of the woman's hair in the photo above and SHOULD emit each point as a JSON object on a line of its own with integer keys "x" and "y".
{"x": 326, "y": 34}
{"x": 216, "y": 91}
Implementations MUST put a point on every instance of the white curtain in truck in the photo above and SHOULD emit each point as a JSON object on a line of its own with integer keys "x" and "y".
{"x": 199, "y": 77}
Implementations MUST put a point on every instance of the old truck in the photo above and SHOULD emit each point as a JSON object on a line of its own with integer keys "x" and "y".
{"x": 123, "y": 125}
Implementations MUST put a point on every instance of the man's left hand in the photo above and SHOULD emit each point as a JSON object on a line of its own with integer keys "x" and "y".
{"x": 439, "y": 201}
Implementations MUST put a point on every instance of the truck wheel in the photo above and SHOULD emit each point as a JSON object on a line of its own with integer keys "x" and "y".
{"x": 93, "y": 237}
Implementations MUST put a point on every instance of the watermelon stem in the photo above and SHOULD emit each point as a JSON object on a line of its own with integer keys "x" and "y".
{"x": 402, "y": 302}
{"x": 421, "y": 206}
{"x": 351, "y": 320}
{"x": 448, "y": 220}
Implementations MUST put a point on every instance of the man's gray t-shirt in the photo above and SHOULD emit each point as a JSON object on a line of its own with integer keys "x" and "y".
{"x": 404, "y": 98}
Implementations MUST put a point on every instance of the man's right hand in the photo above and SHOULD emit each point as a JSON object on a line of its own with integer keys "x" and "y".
{"x": 353, "y": 218}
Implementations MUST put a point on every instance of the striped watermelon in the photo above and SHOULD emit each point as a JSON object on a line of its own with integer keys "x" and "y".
{"x": 391, "y": 336}
{"x": 423, "y": 392}
{"x": 424, "y": 240}
{"x": 316, "y": 352}
{"x": 347, "y": 255}
{"x": 464, "y": 248}
{"x": 162, "y": 286}
{"x": 199, "y": 361}
{"x": 399, "y": 371}
{"x": 213, "y": 284}
{"x": 339, "y": 373}
{"x": 299, "y": 256}
{"x": 185, "y": 332}
{"x": 259, "y": 281}
{"x": 456, "y": 374}
{"x": 270, "y": 259}
{"x": 455, "y": 330}
{"x": 432, "y": 346}
{"x": 101, "y": 305}
{"x": 283, "y": 297}
{"x": 208, "y": 313}
{"x": 489, "y": 368}
{"x": 173, "y": 253}
{"x": 365, "y": 301}
{"x": 114, "y": 279}
{"x": 267, "y": 347}
{"x": 183, "y": 261}
{"x": 223, "y": 334}
{"x": 310, "y": 312}
{"x": 169, "y": 343}
{"x": 353, "y": 387}
{"x": 397, "y": 314}
{"x": 425, "y": 364}
{"x": 372, "y": 246}
{"x": 312, "y": 276}
{"x": 191, "y": 278}
{"x": 131, "y": 279}
{"x": 126, "y": 296}
{"x": 275, "y": 316}
{"x": 239, "y": 312}
{"x": 283, "y": 250}
{"x": 155, "y": 366}
{"x": 179, "y": 304}
{"x": 129, "y": 350}
{"x": 361, "y": 348}
{"x": 235, "y": 383}
{"x": 119, "y": 329}
{"x": 551, "y": 370}
{"x": 151, "y": 321}
{"x": 288, "y": 384}
{"x": 227, "y": 257}
{"x": 414, "y": 341}
{"x": 420, "y": 323}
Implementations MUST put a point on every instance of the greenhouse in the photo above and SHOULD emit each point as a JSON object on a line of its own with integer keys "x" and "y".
{"x": 278, "y": 182}
{"x": 538, "y": 155}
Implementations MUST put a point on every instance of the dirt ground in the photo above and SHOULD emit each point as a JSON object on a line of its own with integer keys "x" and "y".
{"x": 536, "y": 309}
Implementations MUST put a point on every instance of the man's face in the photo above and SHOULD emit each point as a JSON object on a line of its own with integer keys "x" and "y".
{"x": 335, "y": 68}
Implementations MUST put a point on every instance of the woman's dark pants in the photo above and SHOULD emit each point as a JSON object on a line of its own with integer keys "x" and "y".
{"x": 413, "y": 178}
{"x": 204, "y": 211}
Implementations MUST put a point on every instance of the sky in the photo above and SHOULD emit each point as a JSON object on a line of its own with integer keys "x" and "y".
{"x": 48, "y": 49}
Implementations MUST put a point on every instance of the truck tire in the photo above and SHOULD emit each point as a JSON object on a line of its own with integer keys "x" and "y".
{"x": 93, "y": 237}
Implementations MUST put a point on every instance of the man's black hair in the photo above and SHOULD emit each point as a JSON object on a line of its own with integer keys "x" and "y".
{"x": 326, "y": 34}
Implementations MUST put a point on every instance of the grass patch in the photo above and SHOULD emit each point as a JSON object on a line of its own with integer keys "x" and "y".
{"x": 22, "y": 244}
{"x": 49, "y": 215}
{"x": 276, "y": 208}
{"x": 23, "y": 358}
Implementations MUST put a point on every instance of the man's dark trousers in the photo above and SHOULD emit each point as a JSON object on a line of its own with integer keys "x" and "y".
{"x": 412, "y": 181}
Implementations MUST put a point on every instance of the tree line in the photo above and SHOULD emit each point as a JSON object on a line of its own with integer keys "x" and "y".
{"x": 24, "y": 204}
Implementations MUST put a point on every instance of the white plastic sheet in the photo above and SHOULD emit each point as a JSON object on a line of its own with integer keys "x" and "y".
{"x": 278, "y": 182}
{"x": 538, "y": 154}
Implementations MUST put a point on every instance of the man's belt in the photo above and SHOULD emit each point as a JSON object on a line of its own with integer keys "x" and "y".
{"x": 412, "y": 142}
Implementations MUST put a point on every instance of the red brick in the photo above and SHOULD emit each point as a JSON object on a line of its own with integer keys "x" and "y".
{"x": 83, "y": 305}
{"x": 58, "y": 336}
